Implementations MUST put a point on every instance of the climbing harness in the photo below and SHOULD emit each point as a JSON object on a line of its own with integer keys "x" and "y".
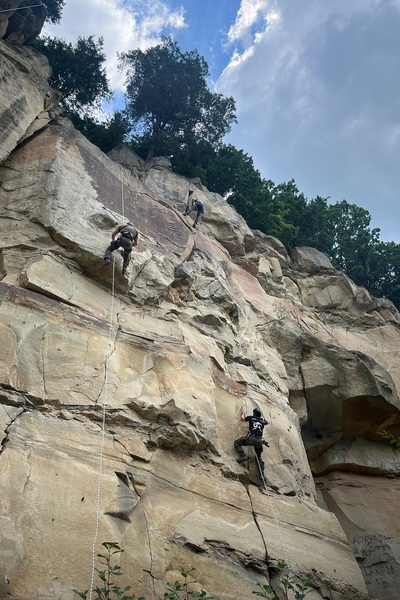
{"x": 103, "y": 423}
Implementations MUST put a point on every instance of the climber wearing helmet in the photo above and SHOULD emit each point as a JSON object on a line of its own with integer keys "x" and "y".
{"x": 125, "y": 237}
{"x": 253, "y": 437}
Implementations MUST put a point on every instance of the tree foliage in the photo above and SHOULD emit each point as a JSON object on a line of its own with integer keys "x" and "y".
{"x": 54, "y": 10}
{"x": 168, "y": 101}
{"x": 105, "y": 134}
{"x": 78, "y": 72}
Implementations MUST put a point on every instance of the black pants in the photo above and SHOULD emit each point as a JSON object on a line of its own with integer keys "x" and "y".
{"x": 249, "y": 441}
{"x": 121, "y": 242}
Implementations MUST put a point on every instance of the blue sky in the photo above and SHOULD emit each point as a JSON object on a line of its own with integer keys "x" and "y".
{"x": 316, "y": 83}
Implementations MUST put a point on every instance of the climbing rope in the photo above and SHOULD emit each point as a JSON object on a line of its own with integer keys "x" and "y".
{"x": 122, "y": 195}
{"x": 103, "y": 423}
{"x": 273, "y": 511}
{"x": 23, "y": 7}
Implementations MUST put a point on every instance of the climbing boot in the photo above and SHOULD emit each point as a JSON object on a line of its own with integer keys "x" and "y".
{"x": 242, "y": 459}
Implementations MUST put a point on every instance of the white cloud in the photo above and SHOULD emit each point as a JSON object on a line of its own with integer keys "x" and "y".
{"x": 251, "y": 14}
{"x": 316, "y": 90}
{"x": 124, "y": 27}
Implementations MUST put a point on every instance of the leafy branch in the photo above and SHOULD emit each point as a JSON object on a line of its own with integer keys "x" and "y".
{"x": 180, "y": 591}
{"x": 394, "y": 440}
{"x": 289, "y": 583}
{"x": 109, "y": 590}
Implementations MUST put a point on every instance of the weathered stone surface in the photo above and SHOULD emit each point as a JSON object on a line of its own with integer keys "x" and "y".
{"x": 310, "y": 260}
{"x": 359, "y": 455}
{"x": 19, "y": 23}
{"x": 202, "y": 325}
{"x": 125, "y": 156}
{"x": 26, "y": 100}
{"x": 367, "y": 508}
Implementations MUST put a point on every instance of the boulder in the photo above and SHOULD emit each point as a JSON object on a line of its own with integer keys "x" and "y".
{"x": 21, "y": 23}
{"x": 310, "y": 260}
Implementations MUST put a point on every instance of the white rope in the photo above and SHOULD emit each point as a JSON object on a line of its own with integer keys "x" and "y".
{"x": 273, "y": 510}
{"x": 103, "y": 423}
{"x": 122, "y": 195}
{"x": 22, "y": 7}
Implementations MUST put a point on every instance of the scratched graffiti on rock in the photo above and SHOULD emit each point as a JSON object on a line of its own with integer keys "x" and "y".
{"x": 376, "y": 555}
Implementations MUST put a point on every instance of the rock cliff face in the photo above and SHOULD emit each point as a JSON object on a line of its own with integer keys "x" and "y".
{"x": 204, "y": 322}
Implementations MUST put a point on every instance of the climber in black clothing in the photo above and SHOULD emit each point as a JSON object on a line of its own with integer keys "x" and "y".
{"x": 254, "y": 437}
{"x": 125, "y": 236}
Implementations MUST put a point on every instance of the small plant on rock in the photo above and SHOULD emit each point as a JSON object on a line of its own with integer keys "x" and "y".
{"x": 108, "y": 589}
{"x": 394, "y": 440}
{"x": 180, "y": 590}
{"x": 289, "y": 583}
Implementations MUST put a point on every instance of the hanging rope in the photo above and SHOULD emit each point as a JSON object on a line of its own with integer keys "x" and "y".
{"x": 103, "y": 423}
{"x": 122, "y": 195}
{"x": 23, "y": 7}
{"x": 273, "y": 511}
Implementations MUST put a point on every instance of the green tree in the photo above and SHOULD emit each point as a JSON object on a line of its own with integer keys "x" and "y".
{"x": 354, "y": 243}
{"x": 104, "y": 134}
{"x": 54, "y": 10}
{"x": 231, "y": 171}
{"x": 384, "y": 272}
{"x": 276, "y": 210}
{"x": 168, "y": 101}
{"x": 78, "y": 72}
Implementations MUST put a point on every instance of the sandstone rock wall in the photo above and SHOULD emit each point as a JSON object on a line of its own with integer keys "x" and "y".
{"x": 205, "y": 322}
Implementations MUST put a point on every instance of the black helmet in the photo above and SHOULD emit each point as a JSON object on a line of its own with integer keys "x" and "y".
{"x": 256, "y": 412}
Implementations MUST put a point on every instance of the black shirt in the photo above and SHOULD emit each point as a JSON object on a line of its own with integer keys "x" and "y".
{"x": 256, "y": 426}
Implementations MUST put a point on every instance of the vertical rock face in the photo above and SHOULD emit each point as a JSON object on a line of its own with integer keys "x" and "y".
{"x": 21, "y": 21}
{"x": 204, "y": 322}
